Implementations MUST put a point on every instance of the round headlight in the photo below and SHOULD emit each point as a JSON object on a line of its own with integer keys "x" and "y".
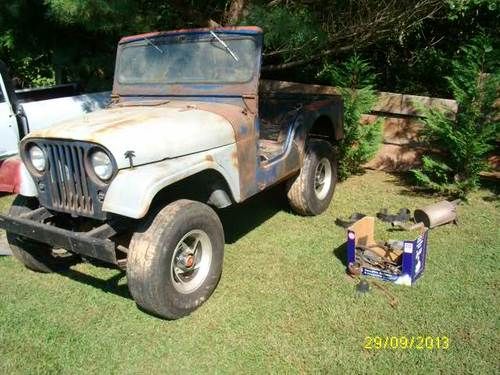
{"x": 101, "y": 163}
{"x": 37, "y": 158}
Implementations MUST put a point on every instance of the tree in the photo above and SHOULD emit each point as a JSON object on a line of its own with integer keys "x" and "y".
{"x": 234, "y": 12}
{"x": 52, "y": 41}
{"x": 410, "y": 42}
{"x": 355, "y": 80}
{"x": 465, "y": 141}
{"x": 305, "y": 31}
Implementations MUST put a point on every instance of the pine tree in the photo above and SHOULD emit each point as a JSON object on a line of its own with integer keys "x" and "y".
{"x": 465, "y": 141}
{"x": 355, "y": 80}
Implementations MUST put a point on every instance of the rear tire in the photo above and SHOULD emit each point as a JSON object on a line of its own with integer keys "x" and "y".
{"x": 34, "y": 255}
{"x": 175, "y": 259}
{"x": 311, "y": 192}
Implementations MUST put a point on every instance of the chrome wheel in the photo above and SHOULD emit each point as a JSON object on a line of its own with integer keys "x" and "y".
{"x": 322, "y": 178}
{"x": 191, "y": 261}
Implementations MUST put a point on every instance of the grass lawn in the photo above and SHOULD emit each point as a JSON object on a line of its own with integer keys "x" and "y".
{"x": 284, "y": 303}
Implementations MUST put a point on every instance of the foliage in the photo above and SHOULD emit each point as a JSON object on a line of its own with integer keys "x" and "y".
{"x": 25, "y": 55}
{"x": 290, "y": 32}
{"x": 470, "y": 136}
{"x": 459, "y": 8}
{"x": 409, "y": 42}
{"x": 75, "y": 40}
{"x": 37, "y": 73}
{"x": 93, "y": 14}
{"x": 355, "y": 80}
{"x": 419, "y": 62}
{"x": 330, "y": 28}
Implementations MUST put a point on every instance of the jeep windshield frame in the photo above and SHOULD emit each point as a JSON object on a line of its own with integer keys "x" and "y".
{"x": 189, "y": 63}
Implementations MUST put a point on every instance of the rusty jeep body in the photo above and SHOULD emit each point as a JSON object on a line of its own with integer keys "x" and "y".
{"x": 191, "y": 126}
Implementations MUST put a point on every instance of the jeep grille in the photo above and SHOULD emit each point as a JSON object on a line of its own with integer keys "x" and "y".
{"x": 68, "y": 181}
{"x": 65, "y": 186}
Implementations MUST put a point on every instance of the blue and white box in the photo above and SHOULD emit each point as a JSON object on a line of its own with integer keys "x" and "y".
{"x": 412, "y": 258}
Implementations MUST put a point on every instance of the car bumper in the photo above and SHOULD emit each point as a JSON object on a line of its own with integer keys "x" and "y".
{"x": 75, "y": 242}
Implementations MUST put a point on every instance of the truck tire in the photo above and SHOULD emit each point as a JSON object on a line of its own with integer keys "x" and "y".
{"x": 34, "y": 255}
{"x": 175, "y": 259}
{"x": 311, "y": 192}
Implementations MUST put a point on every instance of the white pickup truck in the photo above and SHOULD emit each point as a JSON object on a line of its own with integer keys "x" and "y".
{"x": 23, "y": 111}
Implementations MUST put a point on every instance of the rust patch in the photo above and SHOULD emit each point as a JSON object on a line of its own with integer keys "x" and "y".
{"x": 245, "y": 160}
{"x": 234, "y": 159}
{"x": 153, "y": 34}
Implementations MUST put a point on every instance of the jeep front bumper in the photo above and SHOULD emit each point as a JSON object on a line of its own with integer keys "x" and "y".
{"x": 90, "y": 244}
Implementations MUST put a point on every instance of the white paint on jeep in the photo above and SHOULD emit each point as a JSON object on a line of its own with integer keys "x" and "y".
{"x": 153, "y": 132}
{"x": 132, "y": 190}
{"x": 27, "y": 186}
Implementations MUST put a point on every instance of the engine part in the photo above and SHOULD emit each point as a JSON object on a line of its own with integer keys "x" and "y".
{"x": 354, "y": 268}
{"x": 395, "y": 244}
{"x": 346, "y": 223}
{"x": 366, "y": 256}
{"x": 437, "y": 214}
{"x": 403, "y": 215}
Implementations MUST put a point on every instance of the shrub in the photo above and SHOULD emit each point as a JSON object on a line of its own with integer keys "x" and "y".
{"x": 465, "y": 141}
{"x": 355, "y": 80}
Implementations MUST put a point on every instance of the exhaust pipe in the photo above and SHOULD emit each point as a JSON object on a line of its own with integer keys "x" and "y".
{"x": 437, "y": 214}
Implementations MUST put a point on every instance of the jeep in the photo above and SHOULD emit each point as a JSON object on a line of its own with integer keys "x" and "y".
{"x": 191, "y": 129}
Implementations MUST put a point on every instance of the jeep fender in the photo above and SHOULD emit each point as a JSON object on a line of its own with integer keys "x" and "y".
{"x": 132, "y": 190}
{"x": 315, "y": 114}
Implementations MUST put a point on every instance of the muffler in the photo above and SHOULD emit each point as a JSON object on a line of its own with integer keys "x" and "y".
{"x": 437, "y": 214}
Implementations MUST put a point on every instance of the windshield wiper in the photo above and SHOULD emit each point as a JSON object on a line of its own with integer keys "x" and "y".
{"x": 154, "y": 45}
{"x": 225, "y": 46}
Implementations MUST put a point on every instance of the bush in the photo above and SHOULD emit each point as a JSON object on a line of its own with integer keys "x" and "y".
{"x": 465, "y": 141}
{"x": 355, "y": 80}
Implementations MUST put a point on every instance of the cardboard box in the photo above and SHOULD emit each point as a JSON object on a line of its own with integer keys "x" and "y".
{"x": 411, "y": 259}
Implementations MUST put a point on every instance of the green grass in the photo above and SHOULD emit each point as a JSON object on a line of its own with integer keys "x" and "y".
{"x": 5, "y": 201}
{"x": 284, "y": 303}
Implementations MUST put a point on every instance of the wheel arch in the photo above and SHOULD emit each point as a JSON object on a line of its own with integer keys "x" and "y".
{"x": 323, "y": 128}
{"x": 212, "y": 177}
{"x": 321, "y": 120}
{"x": 206, "y": 186}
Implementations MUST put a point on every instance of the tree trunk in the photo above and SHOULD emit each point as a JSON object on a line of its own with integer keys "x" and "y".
{"x": 234, "y": 12}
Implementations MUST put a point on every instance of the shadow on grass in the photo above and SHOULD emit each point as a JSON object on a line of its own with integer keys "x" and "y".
{"x": 494, "y": 188}
{"x": 237, "y": 221}
{"x": 341, "y": 253}
{"x": 406, "y": 182}
{"x": 109, "y": 286}
{"x": 241, "y": 219}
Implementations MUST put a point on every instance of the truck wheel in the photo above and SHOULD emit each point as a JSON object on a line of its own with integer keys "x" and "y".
{"x": 34, "y": 255}
{"x": 175, "y": 259}
{"x": 311, "y": 191}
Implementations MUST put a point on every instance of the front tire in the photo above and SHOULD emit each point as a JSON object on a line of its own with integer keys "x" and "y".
{"x": 34, "y": 255}
{"x": 311, "y": 192}
{"x": 175, "y": 259}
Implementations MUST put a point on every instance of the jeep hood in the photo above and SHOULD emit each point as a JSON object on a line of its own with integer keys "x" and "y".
{"x": 153, "y": 132}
